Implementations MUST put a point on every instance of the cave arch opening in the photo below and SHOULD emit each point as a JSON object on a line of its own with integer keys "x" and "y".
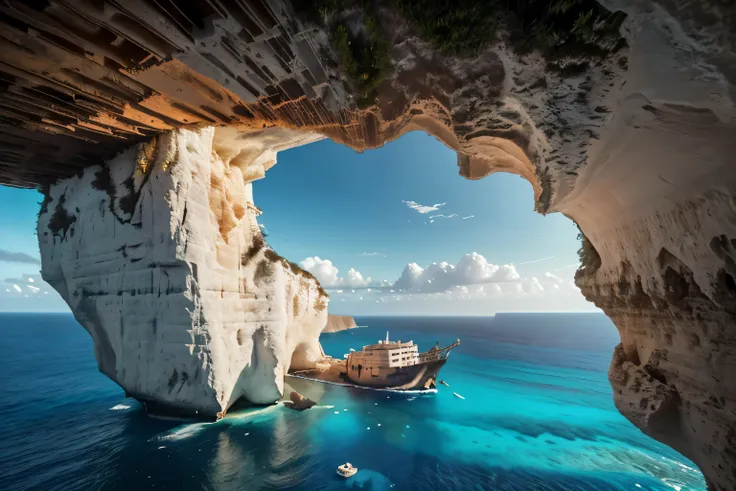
{"x": 317, "y": 176}
{"x": 338, "y": 214}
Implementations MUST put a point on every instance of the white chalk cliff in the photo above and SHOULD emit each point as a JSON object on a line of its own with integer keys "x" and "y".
{"x": 159, "y": 255}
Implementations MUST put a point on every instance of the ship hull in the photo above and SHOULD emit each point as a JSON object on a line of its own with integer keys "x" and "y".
{"x": 421, "y": 376}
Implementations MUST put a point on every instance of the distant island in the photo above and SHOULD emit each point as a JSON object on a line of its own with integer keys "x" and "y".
{"x": 337, "y": 323}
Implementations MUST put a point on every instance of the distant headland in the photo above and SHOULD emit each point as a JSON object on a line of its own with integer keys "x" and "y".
{"x": 337, "y": 323}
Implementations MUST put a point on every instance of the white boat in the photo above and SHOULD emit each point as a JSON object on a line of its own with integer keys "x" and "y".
{"x": 458, "y": 395}
{"x": 347, "y": 470}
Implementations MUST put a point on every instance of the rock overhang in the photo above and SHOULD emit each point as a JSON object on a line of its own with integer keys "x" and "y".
{"x": 636, "y": 147}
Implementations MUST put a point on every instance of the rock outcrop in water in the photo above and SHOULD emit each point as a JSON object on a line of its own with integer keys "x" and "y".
{"x": 628, "y": 126}
{"x": 159, "y": 255}
{"x": 337, "y": 323}
{"x": 298, "y": 402}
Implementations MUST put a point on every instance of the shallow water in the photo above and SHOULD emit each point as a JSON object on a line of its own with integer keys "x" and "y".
{"x": 538, "y": 414}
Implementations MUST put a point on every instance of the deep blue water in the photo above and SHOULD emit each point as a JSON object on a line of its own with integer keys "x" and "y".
{"x": 537, "y": 415}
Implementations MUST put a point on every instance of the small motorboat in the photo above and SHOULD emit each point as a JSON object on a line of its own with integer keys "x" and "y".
{"x": 458, "y": 395}
{"x": 444, "y": 383}
{"x": 346, "y": 470}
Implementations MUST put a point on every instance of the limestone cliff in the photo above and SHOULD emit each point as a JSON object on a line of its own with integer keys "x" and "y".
{"x": 337, "y": 323}
{"x": 621, "y": 115}
{"x": 159, "y": 255}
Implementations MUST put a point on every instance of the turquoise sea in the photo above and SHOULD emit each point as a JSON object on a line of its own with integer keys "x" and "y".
{"x": 537, "y": 415}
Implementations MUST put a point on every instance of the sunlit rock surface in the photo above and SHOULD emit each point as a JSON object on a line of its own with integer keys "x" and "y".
{"x": 637, "y": 147}
{"x": 159, "y": 255}
{"x": 337, "y": 323}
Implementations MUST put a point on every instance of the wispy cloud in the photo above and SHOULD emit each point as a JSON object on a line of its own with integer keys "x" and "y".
{"x": 433, "y": 217}
{"x": 468, "y": 217}
{"x": 17, "y": 257}
{"x": 537, "y": 260}
{"x": 372, "y": 254}
{"x": 567, "y": 267}
{"x": 423, "y": 208}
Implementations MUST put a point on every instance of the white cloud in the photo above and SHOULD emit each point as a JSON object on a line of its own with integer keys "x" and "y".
{"x": 354, "y": 278}
{"x": 472, "y": 278}
{"x": 372, "y": 254}
{"x": 17, "y": 288}
{"x": 468, "y": 217}
{"x": 323, "y": 270}
{"x": 533, "y": 286}
{"x": 438, "y": 277}
{"x": 328, "y": 275}
{"x": 444, "y": 216}
{"x": 423, "y": 208}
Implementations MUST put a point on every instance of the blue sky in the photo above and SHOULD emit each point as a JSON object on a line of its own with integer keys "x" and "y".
{"x": 325, "y": 202}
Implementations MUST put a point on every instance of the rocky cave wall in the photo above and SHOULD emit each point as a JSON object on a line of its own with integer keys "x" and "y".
{"x": 159, "y": 255}
{"x": 635, "y": 144}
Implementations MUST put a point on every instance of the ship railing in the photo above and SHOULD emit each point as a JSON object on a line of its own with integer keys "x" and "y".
{"x": 436, "y": 354}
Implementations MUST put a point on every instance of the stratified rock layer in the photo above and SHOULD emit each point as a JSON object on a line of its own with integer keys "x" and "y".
{"x": 637, "y": 147}
{"x": 159, "y": 255}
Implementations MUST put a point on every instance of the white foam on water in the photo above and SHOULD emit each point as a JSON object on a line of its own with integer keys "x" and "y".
{"x": 323, "y": 407}
{"x": 121, "y": 407}
{"x": 250, "y": 413}
{"x": 182, "y": 432}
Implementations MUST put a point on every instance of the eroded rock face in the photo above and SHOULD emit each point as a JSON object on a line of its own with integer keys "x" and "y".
{"x": 676, "y": 312}
{"x": 637, "y": 147}
{"x": 159, "y": 255}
